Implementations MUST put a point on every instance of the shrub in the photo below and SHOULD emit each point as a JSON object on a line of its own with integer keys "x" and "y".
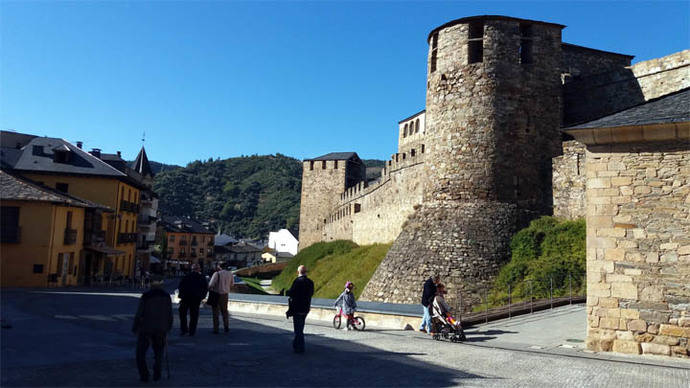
{"x": 547, "y": 250}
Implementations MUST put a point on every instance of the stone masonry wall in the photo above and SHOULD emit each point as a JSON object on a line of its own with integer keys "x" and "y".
{"x": 569, "y": 181}
{"x": 638, "y": 248}
{"x": 599, "y": 95}
{"x": 376, "y": 213}
{"x": 491, "y": 131}
{"x": 319, "y": 195}
{"x": 580, "y": 62}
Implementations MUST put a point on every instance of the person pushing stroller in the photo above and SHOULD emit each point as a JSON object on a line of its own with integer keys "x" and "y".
{"x": 442, "y": 315}
{"x": 347, "y": 303}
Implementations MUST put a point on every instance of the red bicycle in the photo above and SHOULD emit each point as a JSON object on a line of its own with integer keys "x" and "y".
{"x": 356, "y": 323}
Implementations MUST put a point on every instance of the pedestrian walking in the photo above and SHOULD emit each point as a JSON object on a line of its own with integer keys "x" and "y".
{"x": 152, "y": 322}
{"x": 192, "y": 290}
{"x": 428, "y": 295}
{"x": 221, "y": 283}
{"x": 300, "y": 294}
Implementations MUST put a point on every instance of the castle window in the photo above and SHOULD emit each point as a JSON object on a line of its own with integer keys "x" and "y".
{"x": 416, "y": 126}
{"x": 404, "y": 156}
{"x": 335, "y": 164}
{"x": 422, "y": 148}
{"x": 412, "y": 152}
{"x": 405, "y": 131}
{"x": 525, "y": 50}
{"x": 475, "y": 43}
{"x": 311, "y": 165}
{"x": 358, "y": 208}
{"x": 323, "y": 165}
{"x": 434, "y": 53}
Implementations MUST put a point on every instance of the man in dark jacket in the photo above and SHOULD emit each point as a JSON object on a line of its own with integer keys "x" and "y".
{"x": 300, "y": 302}
{"x": 192, "y": 290}
{"x": 427, "y": 299}
{"x": 153, "y": 320}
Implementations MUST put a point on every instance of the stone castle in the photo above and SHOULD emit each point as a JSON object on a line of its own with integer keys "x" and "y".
{"x": 494, "y": 149}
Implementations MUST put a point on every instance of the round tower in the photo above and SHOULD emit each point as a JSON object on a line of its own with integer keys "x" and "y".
{"x": 493, "y": 111}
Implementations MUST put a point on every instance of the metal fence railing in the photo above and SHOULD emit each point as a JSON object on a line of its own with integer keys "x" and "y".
{"x": 527, "y": 296}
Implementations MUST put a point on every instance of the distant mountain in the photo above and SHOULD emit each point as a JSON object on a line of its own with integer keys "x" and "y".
{"x": 374, "y": 162}
{"x": 374, "y": 167}
{"x": 246, "y": 196}
{"x": 158, "y": 167}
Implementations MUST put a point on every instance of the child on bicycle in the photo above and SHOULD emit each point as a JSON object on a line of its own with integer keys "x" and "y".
{"x": 347, "y": 303}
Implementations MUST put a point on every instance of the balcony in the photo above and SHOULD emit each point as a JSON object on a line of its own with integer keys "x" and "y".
{"x": 130, "y": 207}
{"x": 70, "y": 236}
{"x": 10, "y": 235}
{"x": 92, "y": 237}
{"x": 125, "y": 238}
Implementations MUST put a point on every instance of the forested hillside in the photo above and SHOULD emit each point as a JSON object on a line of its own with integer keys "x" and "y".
{"x": 245, "y": 196}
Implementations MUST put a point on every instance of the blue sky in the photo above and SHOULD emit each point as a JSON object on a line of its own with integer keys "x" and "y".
{"x": 225, "y": 78}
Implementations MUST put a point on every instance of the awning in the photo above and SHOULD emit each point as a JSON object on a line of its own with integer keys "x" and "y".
{"x": 153, "y": 259}
{"x": 108, "y": 251}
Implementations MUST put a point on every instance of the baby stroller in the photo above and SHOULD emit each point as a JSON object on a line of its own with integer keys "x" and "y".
{"x": 445, "y": 326}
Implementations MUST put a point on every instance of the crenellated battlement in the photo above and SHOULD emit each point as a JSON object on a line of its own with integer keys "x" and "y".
{"x": 478, "y": 162}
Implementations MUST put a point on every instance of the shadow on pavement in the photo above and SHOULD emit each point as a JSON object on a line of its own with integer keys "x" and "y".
{"x": 251, "y": 354}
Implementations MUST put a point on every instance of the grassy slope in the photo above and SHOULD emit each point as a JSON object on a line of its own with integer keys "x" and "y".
{"x": 548, "y": 249}
{"x": 357, "y": 266}
{"x": 332, "y": 264}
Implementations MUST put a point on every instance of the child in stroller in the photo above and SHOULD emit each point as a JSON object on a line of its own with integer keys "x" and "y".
{"x": 444, "y": 325}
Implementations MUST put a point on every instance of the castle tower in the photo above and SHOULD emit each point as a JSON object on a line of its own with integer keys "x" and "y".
{"x": 324, "y": 179}
{"x": 493, "y": 110}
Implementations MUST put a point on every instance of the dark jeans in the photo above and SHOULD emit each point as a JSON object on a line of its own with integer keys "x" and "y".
{"x": 298, "y": 342}
{"x": 221, "y": 308}
{"x": 157, "y": 340}
{"x": 193, "y": 307}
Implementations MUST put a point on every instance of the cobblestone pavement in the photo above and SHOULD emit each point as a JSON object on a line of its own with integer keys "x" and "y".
{"x": 85, "y": 340}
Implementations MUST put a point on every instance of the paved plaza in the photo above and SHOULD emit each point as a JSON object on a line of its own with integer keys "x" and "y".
{"x": 85, "y": 340}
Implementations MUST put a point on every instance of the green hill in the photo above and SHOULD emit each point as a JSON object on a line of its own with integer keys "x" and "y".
{"x": 331, "y": 264}
{"x": 549, "y": 249}
{"x": 245, "y": 196}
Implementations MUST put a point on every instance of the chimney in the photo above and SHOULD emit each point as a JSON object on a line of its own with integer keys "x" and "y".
{"x": 96, "y": 152}
{"x": 79, "y": 144}
{"x": 119, "y": 154}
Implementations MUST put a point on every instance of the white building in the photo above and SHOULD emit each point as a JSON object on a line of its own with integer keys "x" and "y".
{"x": 283, "y": 241}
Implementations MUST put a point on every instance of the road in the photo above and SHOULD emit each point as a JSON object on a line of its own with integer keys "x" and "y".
{"x": 85, "y": 340}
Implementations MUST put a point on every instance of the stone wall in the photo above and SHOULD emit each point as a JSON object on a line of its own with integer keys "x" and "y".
{"x": 569, "y": 181}
{"x": 409, "y": 139}
{"x": 319, "y": 196}
{"x": 578, "y": 62}
{"x": 598, "y": 95}
{"x": 375, "y": 213}
{"x": 491, "y": 131}
{"x": 638, "y": 248}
